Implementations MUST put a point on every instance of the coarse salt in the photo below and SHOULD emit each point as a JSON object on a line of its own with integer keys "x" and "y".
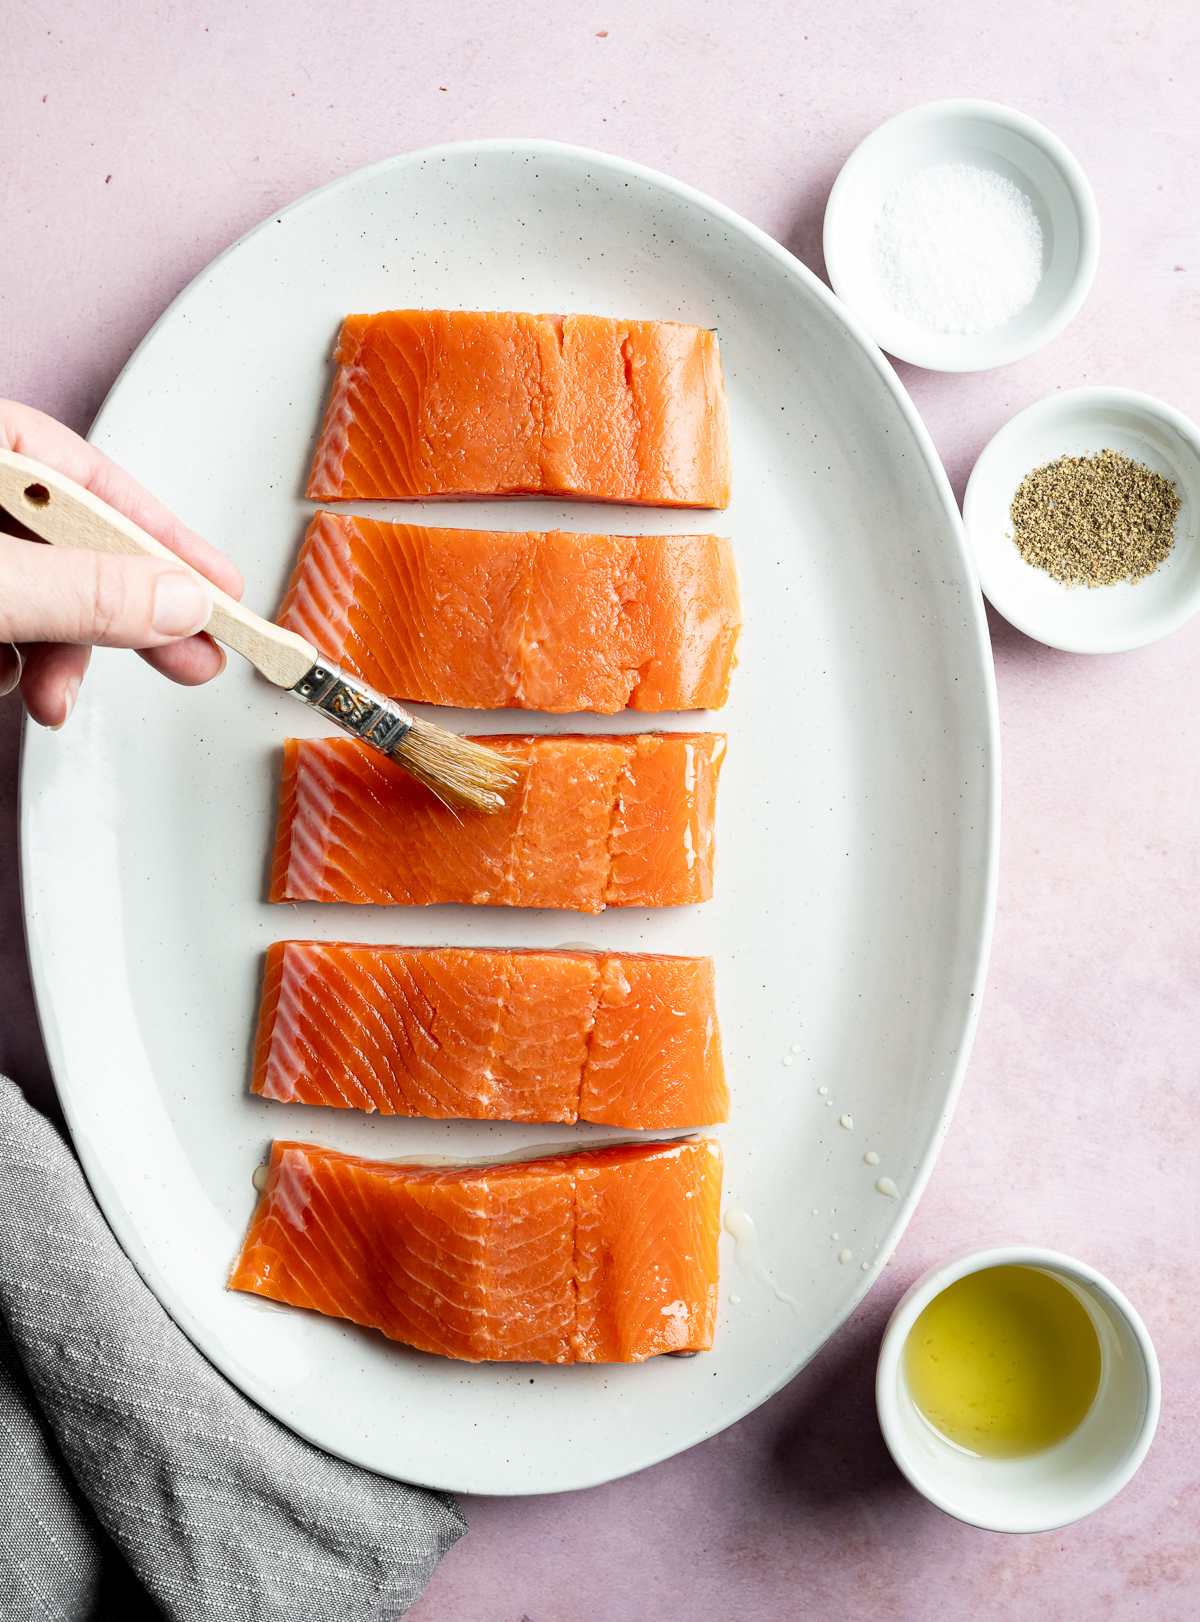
{"x": 957, "y": 249}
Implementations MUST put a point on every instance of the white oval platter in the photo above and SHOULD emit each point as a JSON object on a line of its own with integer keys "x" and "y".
{"x": 856, "y": 828}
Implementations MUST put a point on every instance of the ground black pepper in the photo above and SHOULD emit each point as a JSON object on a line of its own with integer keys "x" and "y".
{"x": 1094, "y": 520}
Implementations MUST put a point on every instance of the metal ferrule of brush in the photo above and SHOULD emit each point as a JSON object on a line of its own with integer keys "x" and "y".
{"x": 379, "y": 721}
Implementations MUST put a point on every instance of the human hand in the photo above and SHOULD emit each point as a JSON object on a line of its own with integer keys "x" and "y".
{"x": 56, "y": 604}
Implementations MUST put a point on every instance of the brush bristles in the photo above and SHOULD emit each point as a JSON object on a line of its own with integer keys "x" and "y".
{"x": 459, "y": 772}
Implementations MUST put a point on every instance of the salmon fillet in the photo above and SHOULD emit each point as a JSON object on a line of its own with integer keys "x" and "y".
{"x": 608, "y": 1256}
{"x": 454, "y": 1032}
{"x": 593, "y": 822}
{"x": 483, "y": 619}
{"x": 469, "y": 402}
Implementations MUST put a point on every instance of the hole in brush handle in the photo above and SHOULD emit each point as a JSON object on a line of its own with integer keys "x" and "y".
{"x": 358, "y": 708}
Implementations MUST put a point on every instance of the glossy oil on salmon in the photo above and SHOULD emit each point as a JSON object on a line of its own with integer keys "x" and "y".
{"x": 430, "y": 403}
{"x": 607, "y": 1256}
{"x": 628, "y": 1040}
{"x": 485, "y": 619}
{"x": 593, "y": 822}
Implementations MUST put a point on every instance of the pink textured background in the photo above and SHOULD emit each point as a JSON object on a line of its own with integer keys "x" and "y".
{"x": 135, "y": 143}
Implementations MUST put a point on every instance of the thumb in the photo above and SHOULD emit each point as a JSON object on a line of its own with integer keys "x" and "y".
{"x": 52, "y": 594}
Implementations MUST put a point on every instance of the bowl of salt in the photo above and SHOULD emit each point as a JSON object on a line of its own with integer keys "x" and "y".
{"x": 962, "y": 234}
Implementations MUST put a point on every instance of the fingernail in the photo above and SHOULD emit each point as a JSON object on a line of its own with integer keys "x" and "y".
{"x": 69, "y": 696}
{"x": 12, "y": 666}
{"x": 182, "y": 604}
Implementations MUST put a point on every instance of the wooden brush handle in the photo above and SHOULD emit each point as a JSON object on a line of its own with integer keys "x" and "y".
{"x": 65, "y": 514}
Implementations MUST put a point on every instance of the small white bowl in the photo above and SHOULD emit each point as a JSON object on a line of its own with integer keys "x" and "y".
{"x": 1087, "y": 619}
{"x": 989, "y": 136}
{"x": 1067, "y": 1481}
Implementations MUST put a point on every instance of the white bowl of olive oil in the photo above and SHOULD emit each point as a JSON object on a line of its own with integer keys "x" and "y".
{"x": 1017, "y": 1388}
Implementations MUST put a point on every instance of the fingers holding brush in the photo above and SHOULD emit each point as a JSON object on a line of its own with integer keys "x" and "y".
{"x": 56, "y": 604}
{"x": 32, "y": 433}
{"x": 50, "y": 677}
{"x": 50, "y": 674}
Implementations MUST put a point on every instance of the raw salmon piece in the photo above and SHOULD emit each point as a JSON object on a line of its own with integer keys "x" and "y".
{"x": 542, "y": 1039}
{"x": 690, "y": 588}
{"x": 485, "y": 403}
{"x": 630, "y": 1040}
{"x": 659, "y": 829}
{"x": 355, "y": 826}
{"x": 605, "y": 1256}
{"x": 414, "y": 612}
{"x": 593, "y": 822}
{"x": 363, "y": 1028}
{"x": 587, "y": 630}
{"x": 654, "y": 1052}
{"x": 483, "y": 619}
{"x": 472, "y": 1267}
{"x": 635, "y": 1275}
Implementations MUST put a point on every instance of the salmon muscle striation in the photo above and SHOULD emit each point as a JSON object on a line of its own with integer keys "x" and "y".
{"x": 593, "y": 822}
{"x": 485, "y": 619}
{"x": 605, "y": 1256}
{"x": 430, "y": 403}
{"x": 627, "y": 1040}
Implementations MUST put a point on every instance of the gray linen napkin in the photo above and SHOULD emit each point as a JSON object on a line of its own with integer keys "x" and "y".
{"x": 108, "y": 1413}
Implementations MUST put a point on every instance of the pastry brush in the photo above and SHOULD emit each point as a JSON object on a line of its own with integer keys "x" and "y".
{"x": 459, "y": 772}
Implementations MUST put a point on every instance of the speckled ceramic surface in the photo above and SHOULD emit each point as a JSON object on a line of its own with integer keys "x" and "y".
{"x": 856, "y": 823}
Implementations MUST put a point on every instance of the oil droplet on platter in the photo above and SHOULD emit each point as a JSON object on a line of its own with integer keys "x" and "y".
{"x": 866, "y": 1267}
{"x": 845, "y": 1255}
{"x": 746, "y": 1253}
{"x": 795, "y": 1047}
{"x": 787, "y": 1059}
{"x": 847, "y": 1122}
{"x": 886, "y": 1186}
{"x": 871, "y": 1158}
{"x": 822, "y": 1091}
{"x": 260, "y": 1178}
{"x": 735, "y": 1300}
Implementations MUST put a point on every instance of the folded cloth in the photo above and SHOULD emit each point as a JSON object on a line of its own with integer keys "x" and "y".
{"x": 109, "y": 1415}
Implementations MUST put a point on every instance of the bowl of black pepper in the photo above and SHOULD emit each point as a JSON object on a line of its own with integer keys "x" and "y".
{"x": 1083, "y": 515}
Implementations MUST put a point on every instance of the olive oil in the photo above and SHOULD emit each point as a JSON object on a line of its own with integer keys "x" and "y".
{"x": 1004, "y": 1362}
